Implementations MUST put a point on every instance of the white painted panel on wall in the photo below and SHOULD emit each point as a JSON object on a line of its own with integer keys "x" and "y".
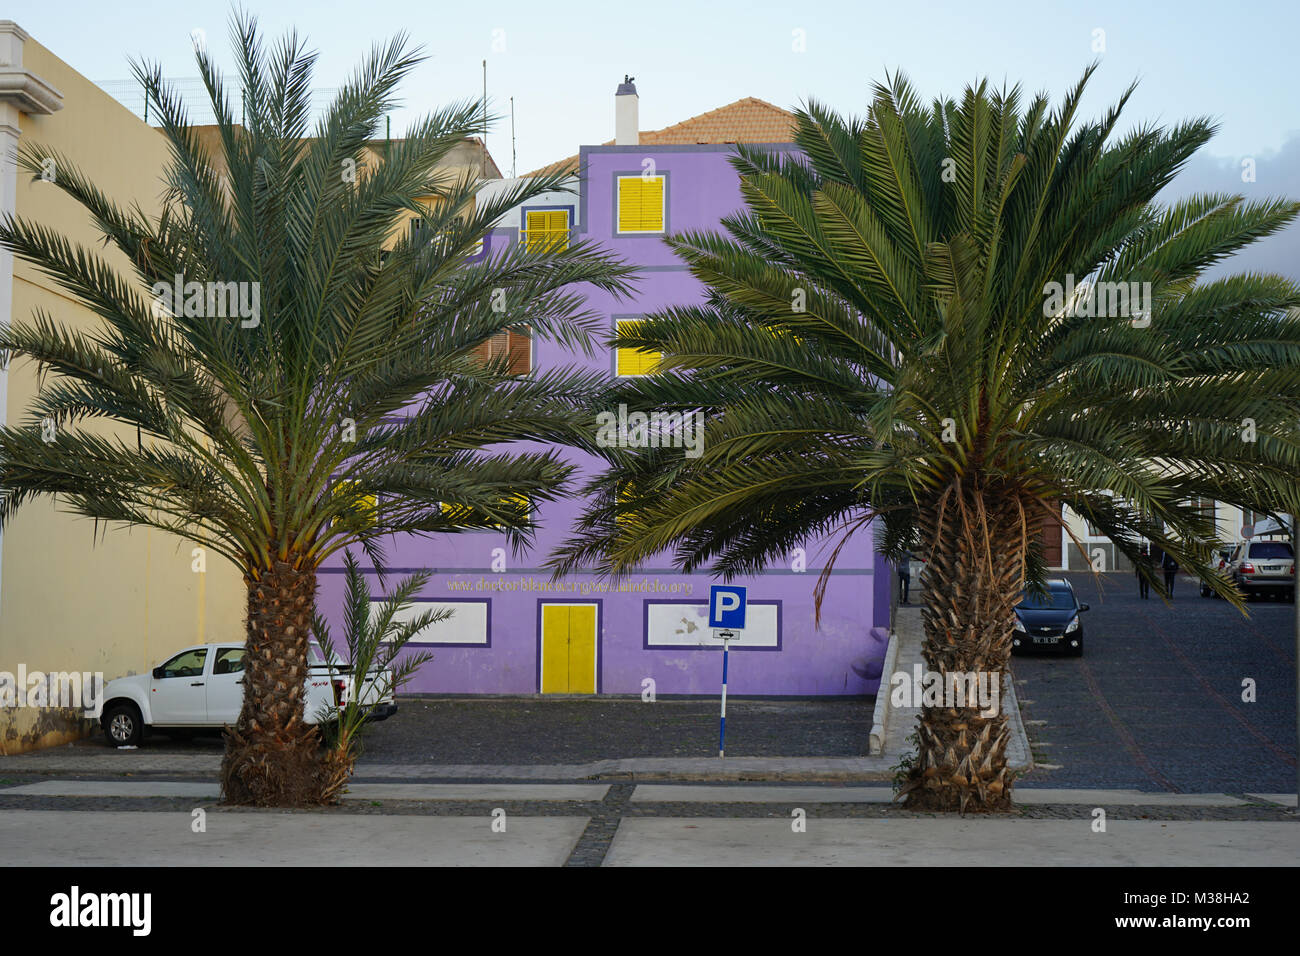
{"x": 467, "y": 625}
{"x": 687, "y": 625}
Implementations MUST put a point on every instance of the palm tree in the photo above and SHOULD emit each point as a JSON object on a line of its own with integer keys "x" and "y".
{"x": 354, "y": 405}
{"x": 374, "y": 642}
{"x": 882, "y": 339}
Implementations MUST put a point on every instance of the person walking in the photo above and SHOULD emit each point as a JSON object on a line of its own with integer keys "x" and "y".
{"x": 1170, "y": 567}
{"x": 1144, "y": 562}
{"x": 904, "y": 576}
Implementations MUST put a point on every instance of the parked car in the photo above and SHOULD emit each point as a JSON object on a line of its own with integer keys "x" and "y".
{"x": 1050, "y": 620}
{"x": 202, "y": 688}
{"x": 1219, "y": 563}
{"x": 376, "y": 689}
{"x": 1263, "y": 567}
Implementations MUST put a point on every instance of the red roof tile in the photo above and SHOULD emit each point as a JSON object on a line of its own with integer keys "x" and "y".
{"x": 750, "y": 120}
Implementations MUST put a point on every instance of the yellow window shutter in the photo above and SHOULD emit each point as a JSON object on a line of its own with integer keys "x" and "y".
{"x": 546, "y": 229}
{"x": 558, "y": 229}
{"x": 624, "y": 494}
{"x": 519, "y": 503}
{"x": 366, "y": 505}
{"x": 634, "y": 361}
{"x": 641, "y": 204}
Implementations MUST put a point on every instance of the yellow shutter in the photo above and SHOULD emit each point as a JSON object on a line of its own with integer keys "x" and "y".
{"x": 558, "y": 228}
{"x": 624, "y": 494}
{"x": 462, "y": 513}
{"x": 546, "y": 230}
{"x": 641, "y": 204}
{"x": 367, "y": 505}
{"x": 635, "y": 361}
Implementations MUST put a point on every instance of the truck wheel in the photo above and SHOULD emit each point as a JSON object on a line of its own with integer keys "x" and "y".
{"x": 122, "y": 726}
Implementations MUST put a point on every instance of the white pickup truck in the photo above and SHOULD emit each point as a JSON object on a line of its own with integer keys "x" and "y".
{"x": 202, "y": 688}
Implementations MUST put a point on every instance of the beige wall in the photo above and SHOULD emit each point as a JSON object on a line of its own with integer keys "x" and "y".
{"x": 74, "y": 598}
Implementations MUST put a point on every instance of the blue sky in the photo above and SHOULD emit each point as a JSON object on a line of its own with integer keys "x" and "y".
{"x": 562, "y": 62}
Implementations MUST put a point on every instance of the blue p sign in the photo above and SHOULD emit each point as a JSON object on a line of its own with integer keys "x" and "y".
{"x": 727, "y": 607}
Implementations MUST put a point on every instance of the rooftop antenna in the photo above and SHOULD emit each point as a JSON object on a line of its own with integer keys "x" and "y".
{"x": 512, "y": 137}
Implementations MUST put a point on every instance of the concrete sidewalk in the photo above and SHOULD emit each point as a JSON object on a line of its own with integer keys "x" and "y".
{"x": 640, "y": 794}
{"x": 710, "y": 841}
{"x": 257, "y": 838}
{"x": 70, "y": 838}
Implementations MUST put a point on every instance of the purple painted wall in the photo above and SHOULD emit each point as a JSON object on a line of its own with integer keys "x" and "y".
{"x": 843, "y": 656}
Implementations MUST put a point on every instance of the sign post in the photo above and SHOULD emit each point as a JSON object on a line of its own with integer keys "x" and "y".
{"x": 726, "y": 616}
{"x": 722, "y": 722}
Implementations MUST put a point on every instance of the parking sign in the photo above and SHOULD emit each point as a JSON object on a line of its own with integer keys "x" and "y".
{"x": 727, "y": 607}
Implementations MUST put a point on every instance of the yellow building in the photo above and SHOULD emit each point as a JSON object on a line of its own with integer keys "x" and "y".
{"x": 74, "y": 597}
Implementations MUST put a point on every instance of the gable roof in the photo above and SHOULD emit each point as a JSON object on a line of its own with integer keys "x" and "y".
{"x": 750, "y": 120}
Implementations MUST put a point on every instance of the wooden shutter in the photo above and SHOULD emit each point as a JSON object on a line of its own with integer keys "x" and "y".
{"x": 641, "y": 204}
{"x": 493, "y": 349}
{"x": 519, "y": 352}
{"x": 515, "y": 347}
{"x": 1049, "y": 538}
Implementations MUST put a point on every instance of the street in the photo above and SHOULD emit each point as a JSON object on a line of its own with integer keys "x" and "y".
{"x": 1156, "y": 701}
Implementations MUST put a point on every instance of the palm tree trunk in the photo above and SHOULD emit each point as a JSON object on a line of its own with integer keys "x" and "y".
{"x": 977, "y": 540}
{"x": 272, "y": 755}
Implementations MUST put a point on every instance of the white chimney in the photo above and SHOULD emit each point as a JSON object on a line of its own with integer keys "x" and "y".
{"x": 627, "y": 129}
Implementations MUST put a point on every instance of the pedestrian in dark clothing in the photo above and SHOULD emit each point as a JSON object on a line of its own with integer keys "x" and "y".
{"x": 1170, "y": 567}
{"x": 1144, "y": 562}
{"x": 904, "y": 576}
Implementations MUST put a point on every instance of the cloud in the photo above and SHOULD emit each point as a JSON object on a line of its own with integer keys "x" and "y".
{"x": 1277, "y": 175}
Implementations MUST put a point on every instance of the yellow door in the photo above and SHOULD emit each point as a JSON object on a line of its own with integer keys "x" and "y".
{"x": 568, "y": 649}
{"x": 555, "y": 648}
{"x": 582, "y": 649}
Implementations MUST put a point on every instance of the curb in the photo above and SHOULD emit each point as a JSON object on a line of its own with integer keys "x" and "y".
{"x": 1011, "y": 707}
{"x": 880, "y": 714}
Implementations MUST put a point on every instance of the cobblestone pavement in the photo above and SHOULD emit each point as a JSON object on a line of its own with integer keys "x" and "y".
{"x": 583, "y": 730}
{"x": 576, "y": 730}
{"x": 1155, "y": 703}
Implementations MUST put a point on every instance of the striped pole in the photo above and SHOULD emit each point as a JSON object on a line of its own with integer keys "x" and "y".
{"x": 722, "y": 726}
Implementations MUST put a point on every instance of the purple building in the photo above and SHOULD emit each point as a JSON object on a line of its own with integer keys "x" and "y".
{"x": 515, "y": 631}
